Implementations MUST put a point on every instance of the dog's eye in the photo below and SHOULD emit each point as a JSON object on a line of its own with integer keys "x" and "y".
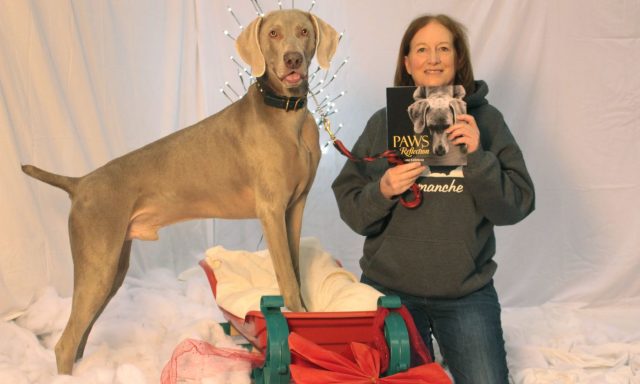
{"x": 273, "y": 33}
{"x": 304, "y": 32}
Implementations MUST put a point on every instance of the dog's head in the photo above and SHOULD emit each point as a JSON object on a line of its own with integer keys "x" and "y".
{"x": 435, "y": 108}
{"x": 279, "y": 47}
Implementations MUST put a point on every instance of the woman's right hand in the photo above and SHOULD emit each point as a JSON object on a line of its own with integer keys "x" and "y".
{"x": 398, "y": 179}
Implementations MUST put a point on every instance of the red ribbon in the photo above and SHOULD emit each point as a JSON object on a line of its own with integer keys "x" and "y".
{"x": 322, "y": 366}
{"x": 419, "y": 352}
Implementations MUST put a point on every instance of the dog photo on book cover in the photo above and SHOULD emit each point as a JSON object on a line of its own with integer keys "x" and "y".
{"x": 417, "y": 118}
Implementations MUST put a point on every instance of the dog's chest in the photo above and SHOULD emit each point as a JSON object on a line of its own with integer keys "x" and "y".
{"x": 300, "y": 159}
{"x": 299, "y": 154}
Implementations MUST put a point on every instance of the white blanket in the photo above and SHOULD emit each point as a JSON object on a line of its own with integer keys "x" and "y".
{"x": 244, "y": 277}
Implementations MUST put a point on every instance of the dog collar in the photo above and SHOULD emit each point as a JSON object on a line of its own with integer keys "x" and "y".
{"x": 283, "y": 102}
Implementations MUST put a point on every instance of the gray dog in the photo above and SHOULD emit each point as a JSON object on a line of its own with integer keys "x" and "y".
{"x": 436, "y": 108}
{"x": 256, "y": 158}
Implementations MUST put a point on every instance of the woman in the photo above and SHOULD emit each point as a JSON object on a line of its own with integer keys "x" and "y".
{"x": 438, "y": 257}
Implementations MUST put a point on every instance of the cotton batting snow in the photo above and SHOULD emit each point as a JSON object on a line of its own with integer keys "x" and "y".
{"x": 131, "y": 341}
{"x": 135, "y": 336}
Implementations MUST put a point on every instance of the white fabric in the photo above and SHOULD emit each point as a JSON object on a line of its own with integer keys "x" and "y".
{"x": 574, "y": 343}
{"x": 131, "y": 342}
{"x": 328, "y": 287}
{"x": 244, "y": 277}
{"x": 556, "y": 343}
{"x": 84, "y": 82}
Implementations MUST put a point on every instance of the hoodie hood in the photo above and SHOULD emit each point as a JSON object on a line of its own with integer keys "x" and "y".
{"x": 478, "y": 98}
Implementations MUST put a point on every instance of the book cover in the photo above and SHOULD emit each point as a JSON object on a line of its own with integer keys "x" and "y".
{"x": 416, "y": 120}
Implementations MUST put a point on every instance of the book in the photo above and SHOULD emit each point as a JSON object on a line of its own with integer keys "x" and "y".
{"x": 416, "y": 120}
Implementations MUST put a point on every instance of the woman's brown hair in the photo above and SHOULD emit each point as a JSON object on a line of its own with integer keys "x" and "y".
{"x": 464, "y": 70}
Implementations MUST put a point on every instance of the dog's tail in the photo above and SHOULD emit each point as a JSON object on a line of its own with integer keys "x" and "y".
{"x": 63, "y": 182}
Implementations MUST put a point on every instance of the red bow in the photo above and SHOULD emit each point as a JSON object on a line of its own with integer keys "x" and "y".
{"x": 321, "y": 366}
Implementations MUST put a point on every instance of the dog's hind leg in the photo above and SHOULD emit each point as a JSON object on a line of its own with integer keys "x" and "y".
{"x": 97, "y": 249}
{"x": 123, "y": 267}
{"x": 275, "y": 231}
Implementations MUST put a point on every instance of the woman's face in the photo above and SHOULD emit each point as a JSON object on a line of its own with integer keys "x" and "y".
{"x": 431, "y": 58}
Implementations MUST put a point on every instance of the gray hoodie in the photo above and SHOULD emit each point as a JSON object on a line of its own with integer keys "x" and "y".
{"x": 443, "y": 248}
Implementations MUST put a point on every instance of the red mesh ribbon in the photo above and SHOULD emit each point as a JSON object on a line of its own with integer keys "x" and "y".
{"x": 321, "y": 366}
{"x": 194, "y": 360}
{"x": 393, "y": 158}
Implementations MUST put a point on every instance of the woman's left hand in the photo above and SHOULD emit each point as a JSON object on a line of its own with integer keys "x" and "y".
{"x": 465, "y": 131}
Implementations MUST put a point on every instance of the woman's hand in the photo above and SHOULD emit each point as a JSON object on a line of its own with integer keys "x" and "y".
{"x": 465, "y": 131}
{"x": 398, "y": 179}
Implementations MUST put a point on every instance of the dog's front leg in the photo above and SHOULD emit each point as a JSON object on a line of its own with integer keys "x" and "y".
{"x": 294, "y": 228}
{"x": 275, "y": 231}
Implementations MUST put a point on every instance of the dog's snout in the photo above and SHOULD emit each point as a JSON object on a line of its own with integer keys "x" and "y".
{"x": 293, "y": 60}
{"x": 440, "y": 150}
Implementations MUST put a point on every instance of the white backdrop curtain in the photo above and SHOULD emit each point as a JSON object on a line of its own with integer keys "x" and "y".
{"x": 82, "y": 82}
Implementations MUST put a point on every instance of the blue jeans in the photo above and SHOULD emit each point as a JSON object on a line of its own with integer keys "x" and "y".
{"x": 468, "y": 331}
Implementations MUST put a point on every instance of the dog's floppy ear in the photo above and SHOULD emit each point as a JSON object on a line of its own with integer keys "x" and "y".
{"x": 453, "y": 113}
{"x": 459, "y": 92}
{"x": 326, "y": 41}
{"x": 414, "y": 112}
{"x": 248, "y": 47}
{"x": 458, "y": 106}
{"x": 417, "y": 114}
{"x": 424, "y": 114}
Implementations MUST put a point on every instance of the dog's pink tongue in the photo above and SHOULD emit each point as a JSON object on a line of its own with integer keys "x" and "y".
{"x": 293, "y": 77}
